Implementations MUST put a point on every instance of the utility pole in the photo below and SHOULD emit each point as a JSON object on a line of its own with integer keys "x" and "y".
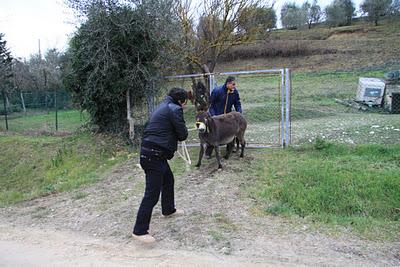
{"x": 55, "y": 97}
{"x": 40, "y": 54}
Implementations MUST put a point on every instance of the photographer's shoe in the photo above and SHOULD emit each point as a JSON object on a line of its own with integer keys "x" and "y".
{"x": 146, "y": 239}
{"x": 178, "y": 212}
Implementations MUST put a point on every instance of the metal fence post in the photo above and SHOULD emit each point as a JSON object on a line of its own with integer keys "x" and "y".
{"x": 283, "y": 137}
{"x": 211, "y": 82}
{"x": 55, "y": 105}
{"x": 5, "y": 110}
{"x": 288, "y": 85}
{"x": 283, "y": 140}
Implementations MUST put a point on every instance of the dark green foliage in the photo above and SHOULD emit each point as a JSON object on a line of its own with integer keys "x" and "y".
{"x": 258, "y": 19}
{"x": 5, "y": 64}
{"x": 340, "y": 12}
{"x": 112, "y": 52}
{"x": 321, "y": 144}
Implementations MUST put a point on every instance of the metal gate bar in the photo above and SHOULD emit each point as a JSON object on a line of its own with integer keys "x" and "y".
{"x": 285, "y": 97}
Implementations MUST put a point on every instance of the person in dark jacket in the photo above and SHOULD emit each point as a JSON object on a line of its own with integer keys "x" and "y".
{"x": 222, "y": 100}
{"x": 160, "y": 141}
{"x": 225, "y": 97}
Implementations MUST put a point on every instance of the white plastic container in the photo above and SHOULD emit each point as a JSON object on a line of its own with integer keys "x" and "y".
{"x": 370, "y": 91}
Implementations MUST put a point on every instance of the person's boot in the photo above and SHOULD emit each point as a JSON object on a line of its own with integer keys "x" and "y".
{"x": 146, "y": 239}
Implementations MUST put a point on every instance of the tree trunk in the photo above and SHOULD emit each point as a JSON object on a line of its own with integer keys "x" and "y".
{"x": 206, "y": 69}
{"x": 23, "y": 102}
{"x": 198, "y": 91}
{"x": 129, "y": 117}
{"x": 7, "y": 102}
{"x": 150, "y": 100}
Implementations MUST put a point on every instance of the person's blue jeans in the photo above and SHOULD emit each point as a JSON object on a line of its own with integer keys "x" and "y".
{"x": 159, "y": 179}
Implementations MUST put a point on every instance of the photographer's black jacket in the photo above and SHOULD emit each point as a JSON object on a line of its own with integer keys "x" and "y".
{"x": 165, "y": 128}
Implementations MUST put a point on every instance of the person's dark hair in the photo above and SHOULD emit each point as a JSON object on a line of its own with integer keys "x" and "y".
{"x": 178, "y": 94}
{"x": 229, "y": 79}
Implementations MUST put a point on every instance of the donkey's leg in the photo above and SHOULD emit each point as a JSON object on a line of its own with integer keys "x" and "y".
{"x": 229, "y": 148}
{"x": 243, "y": 143}
{"x": 200, "y": 154}
{"x": 209, "y": 150}
{"x": 235, "y": 142}
{"x": 218, "y": 157}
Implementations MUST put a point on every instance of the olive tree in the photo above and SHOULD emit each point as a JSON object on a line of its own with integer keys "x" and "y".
{"x": 313, "y": 12}
{"x": 375, "y": 9}
{"x": 211, "y": 27}
{"x": 340, "y": 12}
{"x": 112, "y": 59}
{"x": 257, "y": 19}
{"x": 5, "y": 62}
{"x": 220, "y": 25}
{"x": 292, "y": 16}
{"x": 395, "y": 8}
{"x": 5, "y": 68}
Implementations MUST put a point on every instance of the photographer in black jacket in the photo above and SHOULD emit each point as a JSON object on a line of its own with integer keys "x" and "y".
{"x": 159, "y": 143}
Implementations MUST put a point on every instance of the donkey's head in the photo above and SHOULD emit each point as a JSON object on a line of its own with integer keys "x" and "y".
{"x": 202, "y": 121}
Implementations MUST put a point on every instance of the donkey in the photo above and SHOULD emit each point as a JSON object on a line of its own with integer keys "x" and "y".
{"x": 220, "y": 130}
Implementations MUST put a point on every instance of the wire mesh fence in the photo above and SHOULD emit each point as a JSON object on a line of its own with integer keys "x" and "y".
{"x": 314, "y": 105}
{"x": 39, "y": 112}
{"x": 320, "y": 109}
{"x": 261, "y": 97}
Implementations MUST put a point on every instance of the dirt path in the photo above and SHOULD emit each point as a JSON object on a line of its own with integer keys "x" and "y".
{"x": 222, "y": 227}
{"x": 33, "y": 247}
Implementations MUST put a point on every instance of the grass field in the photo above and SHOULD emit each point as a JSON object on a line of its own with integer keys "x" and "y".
{"x": 357, "y": 187}
{"x": 36, "y": 166}
{"x": 42, "y": 121}
{"x": 322, "y": 184}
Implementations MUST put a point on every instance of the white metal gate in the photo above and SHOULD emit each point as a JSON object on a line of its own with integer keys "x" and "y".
{"x": 265, "y": 97}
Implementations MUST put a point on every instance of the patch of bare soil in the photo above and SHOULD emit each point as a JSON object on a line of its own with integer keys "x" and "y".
{"x": 221, "y": 226}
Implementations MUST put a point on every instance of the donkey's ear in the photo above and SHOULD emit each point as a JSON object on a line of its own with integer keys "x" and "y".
{"x": 191, "y": 96}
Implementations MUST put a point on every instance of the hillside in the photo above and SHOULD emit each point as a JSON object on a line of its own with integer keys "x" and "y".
{"x": 360, "y": 46}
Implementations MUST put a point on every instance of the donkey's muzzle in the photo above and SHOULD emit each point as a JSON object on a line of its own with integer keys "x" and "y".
{"x": 201, "y": 126}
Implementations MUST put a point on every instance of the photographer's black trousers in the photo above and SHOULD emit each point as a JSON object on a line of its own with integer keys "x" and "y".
{"x": 159, "y": 179}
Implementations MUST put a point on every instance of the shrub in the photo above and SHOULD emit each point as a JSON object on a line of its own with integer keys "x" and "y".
{"x": 277, "y": 48}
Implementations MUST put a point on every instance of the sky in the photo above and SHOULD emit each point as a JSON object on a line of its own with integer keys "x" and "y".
{"x": 25, "y": 22}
